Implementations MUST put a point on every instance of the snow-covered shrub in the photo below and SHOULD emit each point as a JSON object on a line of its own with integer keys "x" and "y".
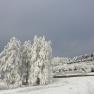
{"x": 59, "y": 61}
{"x": 10, "y": 60}
{"x": 40, "y": 61}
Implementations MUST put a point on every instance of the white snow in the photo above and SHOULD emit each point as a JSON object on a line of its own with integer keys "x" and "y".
{"x": 74, "y": 85}
{"x": 31, "y": 63}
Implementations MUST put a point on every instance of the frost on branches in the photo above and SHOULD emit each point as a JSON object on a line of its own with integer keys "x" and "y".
{"x": 27, "y": 63}
{"x": 40, "y": 61}
{"x": 10, "y": 60}
{"x": 26, "y": 58}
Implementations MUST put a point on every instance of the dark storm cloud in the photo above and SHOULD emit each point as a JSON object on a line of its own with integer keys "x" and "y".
{"x": 68, "y": 23}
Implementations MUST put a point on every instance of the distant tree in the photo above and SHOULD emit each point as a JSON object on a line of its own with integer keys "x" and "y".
{"x": 92, "y": 55}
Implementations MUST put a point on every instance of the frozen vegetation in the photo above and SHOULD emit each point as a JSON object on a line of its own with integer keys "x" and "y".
{"x": 30, "y": 66}
{"x": 79, "y": 64}
{"x": 26, "y": 63}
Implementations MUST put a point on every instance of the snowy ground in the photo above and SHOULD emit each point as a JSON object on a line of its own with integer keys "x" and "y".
{"x": 74, "y": 85}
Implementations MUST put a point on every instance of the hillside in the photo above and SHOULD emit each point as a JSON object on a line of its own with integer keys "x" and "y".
{"x": 80, "y": 64}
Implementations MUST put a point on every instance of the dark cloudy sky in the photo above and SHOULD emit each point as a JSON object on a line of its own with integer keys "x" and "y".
{"x": 69, "y": 24}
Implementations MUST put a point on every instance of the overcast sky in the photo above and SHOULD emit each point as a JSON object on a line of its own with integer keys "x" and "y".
{"x": 69, "y": 24}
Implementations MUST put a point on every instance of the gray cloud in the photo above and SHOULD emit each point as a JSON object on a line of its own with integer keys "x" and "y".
{"x": 68, "y": 23}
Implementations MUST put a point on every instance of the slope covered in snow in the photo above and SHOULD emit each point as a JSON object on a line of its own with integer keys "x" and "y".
{"x": 75, "y": 85}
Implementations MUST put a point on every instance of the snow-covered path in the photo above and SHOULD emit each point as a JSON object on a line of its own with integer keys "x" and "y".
{"x": 75, "y": 85}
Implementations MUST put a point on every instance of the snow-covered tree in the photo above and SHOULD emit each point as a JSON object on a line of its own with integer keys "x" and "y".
{"x": 10, "y": 60}
{"x": 26, "y": 57}
{"x": 40, "y": 61}
{"x": 27, "y": 63}
{"x": 60, "y": 61}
